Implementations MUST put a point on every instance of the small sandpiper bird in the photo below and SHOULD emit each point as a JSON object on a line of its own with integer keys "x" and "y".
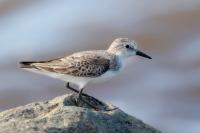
{"x": 88, "y": 66}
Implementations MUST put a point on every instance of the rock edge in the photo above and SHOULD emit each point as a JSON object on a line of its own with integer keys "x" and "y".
{"x": 62, "y": 115}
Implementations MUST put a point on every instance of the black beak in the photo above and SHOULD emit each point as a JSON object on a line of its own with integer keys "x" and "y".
{"x": 140, "y": 53}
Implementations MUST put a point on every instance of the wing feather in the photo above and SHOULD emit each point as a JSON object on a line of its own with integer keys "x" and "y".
{"x": 81, "y": 65}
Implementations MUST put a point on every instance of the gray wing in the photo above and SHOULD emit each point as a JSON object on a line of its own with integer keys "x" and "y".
{"x": 82, "y": 64}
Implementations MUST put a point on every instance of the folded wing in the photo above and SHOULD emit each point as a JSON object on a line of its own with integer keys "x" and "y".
{"x": 81, "y": 65}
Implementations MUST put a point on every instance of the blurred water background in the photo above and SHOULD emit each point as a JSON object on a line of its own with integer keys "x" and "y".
{"x": 164, "y": 92}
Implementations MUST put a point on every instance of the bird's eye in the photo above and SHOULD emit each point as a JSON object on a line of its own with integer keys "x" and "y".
{"x": 127, "y": 46}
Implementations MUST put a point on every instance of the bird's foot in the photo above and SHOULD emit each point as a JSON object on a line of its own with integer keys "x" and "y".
{"x": 94, "y": 104}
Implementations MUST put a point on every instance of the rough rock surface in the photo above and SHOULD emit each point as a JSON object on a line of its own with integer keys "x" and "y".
{"x": 63, "y": 115}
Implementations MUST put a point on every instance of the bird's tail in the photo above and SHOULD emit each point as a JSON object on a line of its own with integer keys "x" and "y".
{"x": 26, "y": 64}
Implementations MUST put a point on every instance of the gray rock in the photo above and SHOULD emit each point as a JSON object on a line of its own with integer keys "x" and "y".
{"x": 62, "y": 115}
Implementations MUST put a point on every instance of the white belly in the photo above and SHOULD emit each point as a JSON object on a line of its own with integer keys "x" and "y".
{"x": 80, "y": 81}
{"x": 105, "y": 77}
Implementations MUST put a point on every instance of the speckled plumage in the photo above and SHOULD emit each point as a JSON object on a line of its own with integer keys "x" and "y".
{"x": 82, "y": 64}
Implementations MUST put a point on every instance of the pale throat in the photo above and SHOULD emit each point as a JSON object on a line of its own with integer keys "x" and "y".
{"x": 121, "y": 61}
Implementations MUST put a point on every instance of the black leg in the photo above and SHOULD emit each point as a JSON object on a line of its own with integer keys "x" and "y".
{"x": 80, "y": 94}
{"x": 91, "y": 105}
{"x": 81, "y": 99}
{"x": 67, "y": 85}
{"x": 74, "y": 90}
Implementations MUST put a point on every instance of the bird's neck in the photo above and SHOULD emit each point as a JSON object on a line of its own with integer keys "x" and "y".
{"x": 121, "y": 60}
{"x": 118, "y": 62}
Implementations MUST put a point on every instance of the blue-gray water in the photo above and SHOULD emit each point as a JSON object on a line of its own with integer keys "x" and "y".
{"x": 164, "y": 92}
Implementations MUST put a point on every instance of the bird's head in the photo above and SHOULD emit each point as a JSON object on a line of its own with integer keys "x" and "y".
{"x": 124, "y": 47}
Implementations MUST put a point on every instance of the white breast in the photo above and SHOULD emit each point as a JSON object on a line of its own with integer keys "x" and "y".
{"x": 109, "y": 74}
{"x": 105, "y": 77}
